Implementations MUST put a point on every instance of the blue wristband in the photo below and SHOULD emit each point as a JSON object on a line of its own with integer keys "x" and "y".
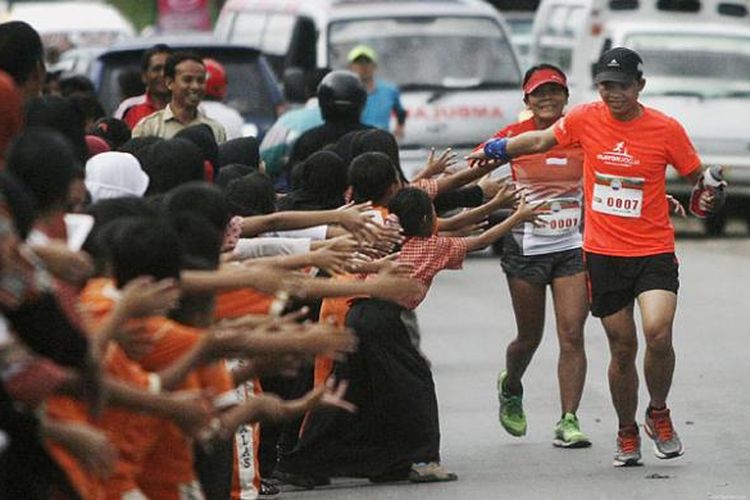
{"x": 496, "y": 149}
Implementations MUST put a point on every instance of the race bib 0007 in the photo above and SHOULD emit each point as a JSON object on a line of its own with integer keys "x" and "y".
{"x": 560, "y": 215}
{"x": 615, "y": 195}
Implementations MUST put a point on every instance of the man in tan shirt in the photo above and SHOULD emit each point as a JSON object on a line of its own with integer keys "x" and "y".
{"x": 185, "y": 76}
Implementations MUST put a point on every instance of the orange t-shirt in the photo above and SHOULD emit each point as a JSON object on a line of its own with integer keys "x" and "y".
{"x": 240, "y": 302}
{"x": 335, "y": 309}
{"x": 170, "y": 463}
{"x": 131, "y": 433}
{"x": 624, "y": 177}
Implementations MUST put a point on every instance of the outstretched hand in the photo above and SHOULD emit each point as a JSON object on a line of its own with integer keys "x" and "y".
{"x": 331, "y": 395}
{"x": 355, "y": 220}
{"x": 145, "y": 297}
{"x": 526, "y": 212}
{"x": 436, "y": 166}
{"x": 507, "y": 196}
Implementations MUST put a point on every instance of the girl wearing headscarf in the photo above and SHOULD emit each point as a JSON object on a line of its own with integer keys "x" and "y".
{"x": 243, "y": 150}
{"x": 322, "y": 183}
{"x": 171, "y": 163}
{"x": 113, "y": 175}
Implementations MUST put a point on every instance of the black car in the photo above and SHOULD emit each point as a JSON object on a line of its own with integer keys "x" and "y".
{"x": 252, "y": 86}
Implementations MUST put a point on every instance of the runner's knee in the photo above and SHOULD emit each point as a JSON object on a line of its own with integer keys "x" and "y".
{"x": 658, "y": 338}
{"x": 571, "y": 340}
{"x": 624, "y": 352}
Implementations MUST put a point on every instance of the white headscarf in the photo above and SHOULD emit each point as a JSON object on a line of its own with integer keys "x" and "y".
{"x": 114, "y": 175}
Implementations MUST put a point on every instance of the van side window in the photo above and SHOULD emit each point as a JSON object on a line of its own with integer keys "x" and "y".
{"x": 732, "y": 9}
{"x": 562, "y": 57}
{"x": 564, "y": 28}
{"x": 679, "y": 5}
{"x": 623, "y": 4}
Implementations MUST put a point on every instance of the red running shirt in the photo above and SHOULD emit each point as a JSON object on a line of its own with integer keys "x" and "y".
{"x": 624, "y": 177}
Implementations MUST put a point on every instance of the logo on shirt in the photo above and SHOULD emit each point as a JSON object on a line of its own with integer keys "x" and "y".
{"x": 618, "y": 156}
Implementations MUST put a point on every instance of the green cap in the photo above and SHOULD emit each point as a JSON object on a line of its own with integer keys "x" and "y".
{"x": 362, "y": 51}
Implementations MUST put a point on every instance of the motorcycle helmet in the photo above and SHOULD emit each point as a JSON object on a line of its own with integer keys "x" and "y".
{"x": 341, "y": 96}
{"x": 216, "y": 79}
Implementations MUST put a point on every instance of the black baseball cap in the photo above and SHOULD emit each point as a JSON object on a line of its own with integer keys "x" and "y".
{"x": 619, "y": 65}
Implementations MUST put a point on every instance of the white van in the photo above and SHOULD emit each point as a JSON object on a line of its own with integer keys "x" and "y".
{"x": 571, "y": 33}
{"x": 70, "y": 24}
{"x": 458, "y": 73}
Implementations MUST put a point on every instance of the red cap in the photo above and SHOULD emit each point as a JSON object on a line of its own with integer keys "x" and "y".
{"x": 542, "y": 76}
{"x": 216, "y": 79}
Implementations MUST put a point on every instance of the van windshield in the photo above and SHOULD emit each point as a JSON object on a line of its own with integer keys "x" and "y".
{"x": 430, "y": 52}
{"x": 701, "y": 64}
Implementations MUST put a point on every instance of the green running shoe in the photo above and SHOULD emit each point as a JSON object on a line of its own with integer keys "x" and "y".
{"x": 568, "y": 433}
{"x": 511, "y": 414}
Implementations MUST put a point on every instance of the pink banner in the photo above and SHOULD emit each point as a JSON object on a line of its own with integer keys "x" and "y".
{"x": 184, "y": 15}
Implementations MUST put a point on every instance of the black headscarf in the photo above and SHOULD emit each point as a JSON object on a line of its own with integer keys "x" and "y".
{"x": 344, "y": 145}
{"x": 376, "y": 140}
{"x": 171, "y": 163}
{"x": 232, "y": 172}
{"x": 202, "y": 136}
{"x": 201, "y": 198}
{"x": 323, "y": 181}
{"x": 243, "y": 150}
{"x": 253, "y": 194}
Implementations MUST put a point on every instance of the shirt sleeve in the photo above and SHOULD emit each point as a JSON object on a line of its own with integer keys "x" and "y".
{"x": 315, "y": 233}
{"x": 252, "y": 248}
{"x": 681, "y": 152}
{"x": 171, "y": 342}
{"x": 455, "y": 250}
{"x": 429, "y": 186}
{"x": 566, "y": 128}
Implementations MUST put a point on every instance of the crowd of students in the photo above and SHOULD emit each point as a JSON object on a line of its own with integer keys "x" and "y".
{"x": 173, "y": 327}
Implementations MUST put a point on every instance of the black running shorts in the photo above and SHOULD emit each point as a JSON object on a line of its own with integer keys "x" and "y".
{"x": 540, "y": 270}
{"x": 615, "y": 282}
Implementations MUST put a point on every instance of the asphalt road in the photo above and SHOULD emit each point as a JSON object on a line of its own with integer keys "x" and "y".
{"x": 466, "y": 323}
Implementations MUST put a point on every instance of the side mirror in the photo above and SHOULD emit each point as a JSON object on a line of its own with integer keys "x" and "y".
{"x": 294, "y": 85}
